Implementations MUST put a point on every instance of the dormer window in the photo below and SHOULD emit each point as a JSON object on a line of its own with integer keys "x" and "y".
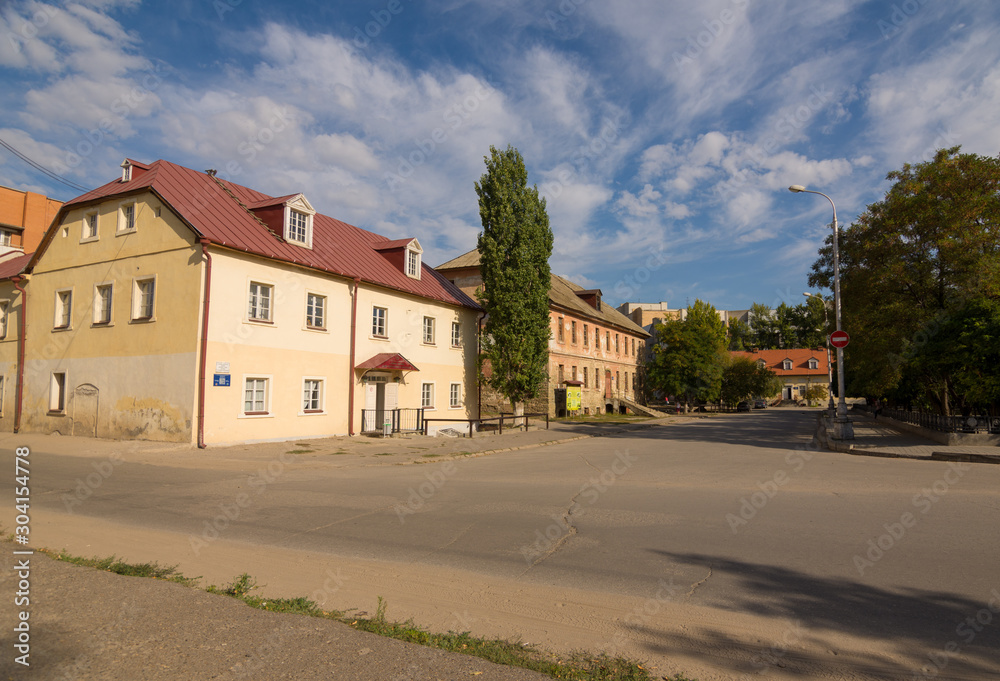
{"x": 126, "y": 171}
{"x": 298, "y": 216}
{"x": 761, "y": 363}
{"x": 297, "y": 227}
{"x": 787, "y": 365}
{"x": 813, "y": 364}
{"x": 412, "y": 264}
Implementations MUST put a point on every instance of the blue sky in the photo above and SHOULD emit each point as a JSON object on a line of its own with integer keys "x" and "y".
{"x": 663, "y": 134}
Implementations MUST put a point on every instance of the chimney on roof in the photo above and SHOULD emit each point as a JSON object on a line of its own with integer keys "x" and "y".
{"x": 210, "y": 172}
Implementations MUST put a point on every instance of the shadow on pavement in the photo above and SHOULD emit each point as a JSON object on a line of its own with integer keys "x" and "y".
{"x": 916, "y": 626}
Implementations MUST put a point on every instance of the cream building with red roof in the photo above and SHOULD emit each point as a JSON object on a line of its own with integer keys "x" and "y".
{"x": 798, "y": 368}
{"x": 172, "y": 305}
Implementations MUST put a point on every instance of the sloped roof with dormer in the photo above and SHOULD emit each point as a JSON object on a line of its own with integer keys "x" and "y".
{"x": 775, "y": 359}
{"x": 219, "y": 211}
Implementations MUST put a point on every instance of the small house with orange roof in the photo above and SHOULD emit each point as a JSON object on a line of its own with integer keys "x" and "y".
{"x": 798, "y": 368}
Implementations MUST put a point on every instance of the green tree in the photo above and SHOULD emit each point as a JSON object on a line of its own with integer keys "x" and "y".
{"x": 740, "y": 335}
{"x": 910, "y": 263}
{"x": 744, "y": 378}
{"x": 514, "y": 250}
{"x": 765, "y": 333}
{"x": 690, "y": 355}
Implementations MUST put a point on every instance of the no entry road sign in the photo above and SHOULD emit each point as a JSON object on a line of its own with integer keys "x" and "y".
{"x": 839, "y": 339}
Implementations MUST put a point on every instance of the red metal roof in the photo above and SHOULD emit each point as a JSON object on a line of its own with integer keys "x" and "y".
{"x": 13, "y": 265}
{"x": 774, "y": 360}
{"x": 337, "y": 247}
{"x": 388, "y": 361}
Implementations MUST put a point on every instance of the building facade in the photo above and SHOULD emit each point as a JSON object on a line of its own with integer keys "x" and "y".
{"x": 24, "y": 217}
{"x": 798, "y": 368}
{"x": 172, "y": 305}
{"x": 592, "y": 346}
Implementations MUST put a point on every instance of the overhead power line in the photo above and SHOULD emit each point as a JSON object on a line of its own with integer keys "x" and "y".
{"x": 40, "y": 168}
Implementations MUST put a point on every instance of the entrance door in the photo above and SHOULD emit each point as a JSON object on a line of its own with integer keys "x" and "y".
{"x": 85, "y": 403}
{"x": 607, "y": 383}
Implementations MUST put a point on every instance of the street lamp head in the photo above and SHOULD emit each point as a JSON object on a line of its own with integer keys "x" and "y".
{"x": 796, "y": 188}
{"x": 808, "y": 295}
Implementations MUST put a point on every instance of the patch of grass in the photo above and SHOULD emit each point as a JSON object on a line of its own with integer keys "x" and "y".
{"x": 338, "y": 453}
{"x": 120, "y": 567}
{"x": 299, "y": 451}
{"x": 430, "y": 456}
{"x": 383, "y": 454}
{"x": 241, "y": 587}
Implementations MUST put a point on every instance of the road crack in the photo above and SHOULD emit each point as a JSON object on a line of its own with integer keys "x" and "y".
{"x": 694, "y": 587}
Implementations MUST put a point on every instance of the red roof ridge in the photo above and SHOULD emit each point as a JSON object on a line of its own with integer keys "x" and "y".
{"x": 394, "y": 243}
{"x": 244, "y": 207}
{"x": 272, "y": 200}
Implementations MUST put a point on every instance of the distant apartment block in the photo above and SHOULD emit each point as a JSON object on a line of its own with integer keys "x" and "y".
{"x": 24, "y": 217}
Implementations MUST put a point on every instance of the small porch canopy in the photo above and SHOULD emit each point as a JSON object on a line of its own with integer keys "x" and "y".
{"x": 387, "y": 361}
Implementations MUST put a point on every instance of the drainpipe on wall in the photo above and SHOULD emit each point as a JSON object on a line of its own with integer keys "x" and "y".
{"x": 20, "y": 351}
{"x": 350, "y": 381}
{"x": 204, "y": 342}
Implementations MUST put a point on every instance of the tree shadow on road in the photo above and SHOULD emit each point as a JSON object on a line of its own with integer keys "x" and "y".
{"x": 913, "y": 628}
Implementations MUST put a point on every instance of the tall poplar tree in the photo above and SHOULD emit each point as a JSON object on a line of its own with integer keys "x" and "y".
{"x": 514, "y": 250}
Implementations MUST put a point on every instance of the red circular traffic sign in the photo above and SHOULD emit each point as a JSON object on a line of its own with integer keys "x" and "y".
{"x": 839, "y": 339}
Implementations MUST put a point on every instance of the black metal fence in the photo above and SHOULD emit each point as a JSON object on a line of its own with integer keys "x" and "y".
{"x": 982, "y": 423}
{"x": 399, "y": 420}
{"x": 495, "y": 424}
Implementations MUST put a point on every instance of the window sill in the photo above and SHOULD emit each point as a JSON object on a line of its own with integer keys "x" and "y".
{"x": 429, "y": 345}
{"x": 256, "y": 415}
{"x": 99, "y": 325}
{"x": 456, "y": 347}
{"x": 265, "y": 322}
{"x": 461, "y": 406}
{"x": 142, "y": 320}
{"x": 312, "y": 412}
{"x": 56, "y": 329}
{"x": 319, "y": 329}
{"x": 55, "y": 412}
{"x": 88, "y": 239}
{"x": 378, "y": 338}
{"x": 125, "y": 232}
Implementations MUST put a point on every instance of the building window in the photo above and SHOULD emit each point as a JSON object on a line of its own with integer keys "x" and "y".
{"x": 102, "y": 304}
{"x": 427, "y": 395}
{"x": 255, "y": 396}
{"x": 572, "y": 373}
{"x": 607, "y": 340}
{"x": 787, "y": 365}
{"x": 585, "y": 383}
{"x": 298, "y": 230}
{"x": 312, "y": 395}
{"x": 597, "y": 339}
{"x": 586, "y": 336}
{"x": 89, "y": 226}
{"x": 64, "y": 309}
{"x": 597, "y": 378}
{"x": 57, "y": 392}
{"x": 412, "y": 263}
{"x": 380, "y": 317}
{"x": 572, "y": 334}
{"x": 315, "y": 311}
{"x": 618, "y": 381}
{"x": 813, "y": 364}
{"x": 626, "y": 381}
{"x": 561, "y": 373}
{"x": 428, "y": 330}
{"x": 143, "y": 298}
{"x": 126, "y": 218}
{"x": 456, "y": 335}
{"x": 455, "y": 395}
{"x": 260, "y": 302}
{"x": 4, "y": 307}
{"x": 561, "y": 333}
{"x": 633, "y": 347}
{"x": 617, "y": 352}
{"x": 5, "y": 237}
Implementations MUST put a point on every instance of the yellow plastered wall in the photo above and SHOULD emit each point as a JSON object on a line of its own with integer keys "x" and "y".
{"x": 10, "y": 301}
{"x": 130, "y": 378}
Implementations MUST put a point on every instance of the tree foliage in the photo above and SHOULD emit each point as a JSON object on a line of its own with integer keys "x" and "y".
{"x": 690, "y": 354}
{"x": 744, "y": 378}
{"x": 514, "y": 250}
{"x": 920, "y": 280}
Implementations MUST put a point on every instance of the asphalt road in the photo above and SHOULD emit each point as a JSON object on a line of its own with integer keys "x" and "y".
{"x": 736, "y": 513}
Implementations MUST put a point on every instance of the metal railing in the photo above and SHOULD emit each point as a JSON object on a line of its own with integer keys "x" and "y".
{"x": 516, "y": 421}
{"x": 982, "y": 423}
{"x": 399, "y": 420}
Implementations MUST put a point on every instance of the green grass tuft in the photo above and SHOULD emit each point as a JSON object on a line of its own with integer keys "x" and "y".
{"x": 120, "y": 567}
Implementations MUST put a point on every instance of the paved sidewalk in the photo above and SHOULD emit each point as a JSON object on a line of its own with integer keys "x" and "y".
{"x": 877, "y": 438}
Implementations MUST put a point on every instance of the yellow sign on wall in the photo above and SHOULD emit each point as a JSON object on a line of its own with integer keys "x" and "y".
{"x": 574, "y": 396}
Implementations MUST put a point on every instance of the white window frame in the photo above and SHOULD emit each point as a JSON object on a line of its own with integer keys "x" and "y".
{"x": 428, "y": 403}
{"x": 813, "y": 363}
{"x": 61, "y": 312}
{"x": 384, "y": 322}
{"x": 321, "y": 409}
{"x": 268, "y": 381}
{"x": 87, "y": 217}
{"x": 413, "y": 262}
{"x": 452, "y": 403}
{"x": 456, "y": 334}
{"x": 97, "y": 321}
{"x": 4, "y": 318}
{"x": 6, "y": 238}
{"x": 123, "y": 227}
{"x": 137, "y": 294}
{"x": 431, "y": 337}
{"x": 301, "y": 207}
{"x": 57, "y": 392}
{"x": 251, "y": 312}
{"x": 323, "y": 311}
{"x": 786, "y": 365}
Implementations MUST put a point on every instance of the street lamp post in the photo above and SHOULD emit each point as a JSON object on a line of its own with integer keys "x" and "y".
{"x": 829, "y": 362}
{"x": 842, "y": 427}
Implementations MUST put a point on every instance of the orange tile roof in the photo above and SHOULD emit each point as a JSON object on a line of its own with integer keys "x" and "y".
{"x": 800, "y": 357}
